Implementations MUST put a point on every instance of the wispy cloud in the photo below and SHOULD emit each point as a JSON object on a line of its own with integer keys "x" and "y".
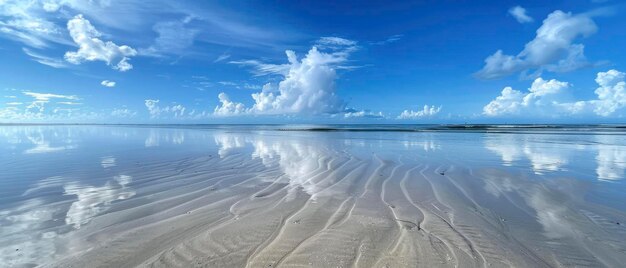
{"x": 174, "y": 37}
{"x": 222, "y": 57}
{"x": 260, "y": 68}
{"x": 47, "y": 107}
{"x": 45, "y": 60}
{"x": 29, "y": 22}
{"x": 389, "y": 40}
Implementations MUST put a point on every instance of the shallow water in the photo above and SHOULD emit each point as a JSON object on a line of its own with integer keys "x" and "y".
{"x": 258, "y": 196}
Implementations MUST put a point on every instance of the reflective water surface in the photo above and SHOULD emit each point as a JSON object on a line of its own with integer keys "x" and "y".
{"x": 68, "y": 191}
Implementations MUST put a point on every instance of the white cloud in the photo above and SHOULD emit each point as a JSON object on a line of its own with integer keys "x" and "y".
{"x": 13, "y": 103}
{"x": 48, "y": 107}
{"x": 548, "y": 98}
{"x": 350, "y": 113}
{"x": 227, "y": 83}
{"x": 519, "y": 13}
{"x": 45, "y": 60}
{"x": 174, "y": 37}
{"x": 425, "y": 112}
{"x": 551, "y": 50}
{"x": 47, "y": 96}
{"x": 507, "y": 103}
{"x": 541, "y": 93}
{"x": 108, "y": 83}
{"x": 611, "y": 93}
{"x": 261, "y": 68}
{"x": 42, "y": 98}
{"x": 389, "y": 40}
{"x": 227, "y": 107}
{"x": 124, "y": 113}
{"x": 91, "y": 48}
{"x": 222, "y": 57}
{"x": 153, "y": 108}
{"x": 308, "y": 85}
{"x": 26, "y": 22}
{"x": 174, "y": 111}
{"x": 334, "y": 42}
{"x": 251, "y": 86}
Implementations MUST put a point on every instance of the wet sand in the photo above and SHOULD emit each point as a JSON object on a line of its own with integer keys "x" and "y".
{"x": 276, "y": 199}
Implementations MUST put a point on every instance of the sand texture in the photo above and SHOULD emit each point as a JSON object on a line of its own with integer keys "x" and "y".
{"x": 323, "y": 200}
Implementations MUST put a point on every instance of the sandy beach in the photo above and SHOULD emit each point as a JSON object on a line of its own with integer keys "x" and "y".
{"x": 188, "y": 197}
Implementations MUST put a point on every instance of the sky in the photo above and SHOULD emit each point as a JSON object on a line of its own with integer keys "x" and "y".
{"x": 294, "y": 62}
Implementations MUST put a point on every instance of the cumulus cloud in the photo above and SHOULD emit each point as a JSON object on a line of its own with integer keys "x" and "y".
{"x": 156, "y": 111}
{"x": 108, "y": 83}
{"x": 611, "y": 93}
{"x": 227, "y": 107}
{"x": 550, "y": 98}
{"x": 308, "y": 84}
{"x": 552, "y": 49}
{"x": 427, "y": 111}
{"x": 541, "y": 95}
{"x": 91, "y": 48}
{"x": 507, "y": 103}
{"x": 519, "y": 13}
{"x": 123, "y": 113}
{"x": 153, "y": 108}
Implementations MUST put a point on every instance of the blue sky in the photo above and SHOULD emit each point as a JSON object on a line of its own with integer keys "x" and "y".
{"x": 166, "y": 61}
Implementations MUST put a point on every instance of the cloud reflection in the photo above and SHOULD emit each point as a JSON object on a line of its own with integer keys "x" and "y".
{"x": 611, "y": 158}
{"x": 607, "y": 151}
{"x": 31, "y": 232}
{"x": 543, "y": 156}
{"x": 107, "y": 162}
{"x": 158, "y": 136}
{"x": 36, "y": 137}
{"x": 298, "y": 158}
{"x": 546, "y": 202}
{"x": 93, "y": 200}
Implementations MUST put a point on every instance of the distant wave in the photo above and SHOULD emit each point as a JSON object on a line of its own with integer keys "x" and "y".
{"x": 458, "y": 128}
{"x": 490, "y": 128}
